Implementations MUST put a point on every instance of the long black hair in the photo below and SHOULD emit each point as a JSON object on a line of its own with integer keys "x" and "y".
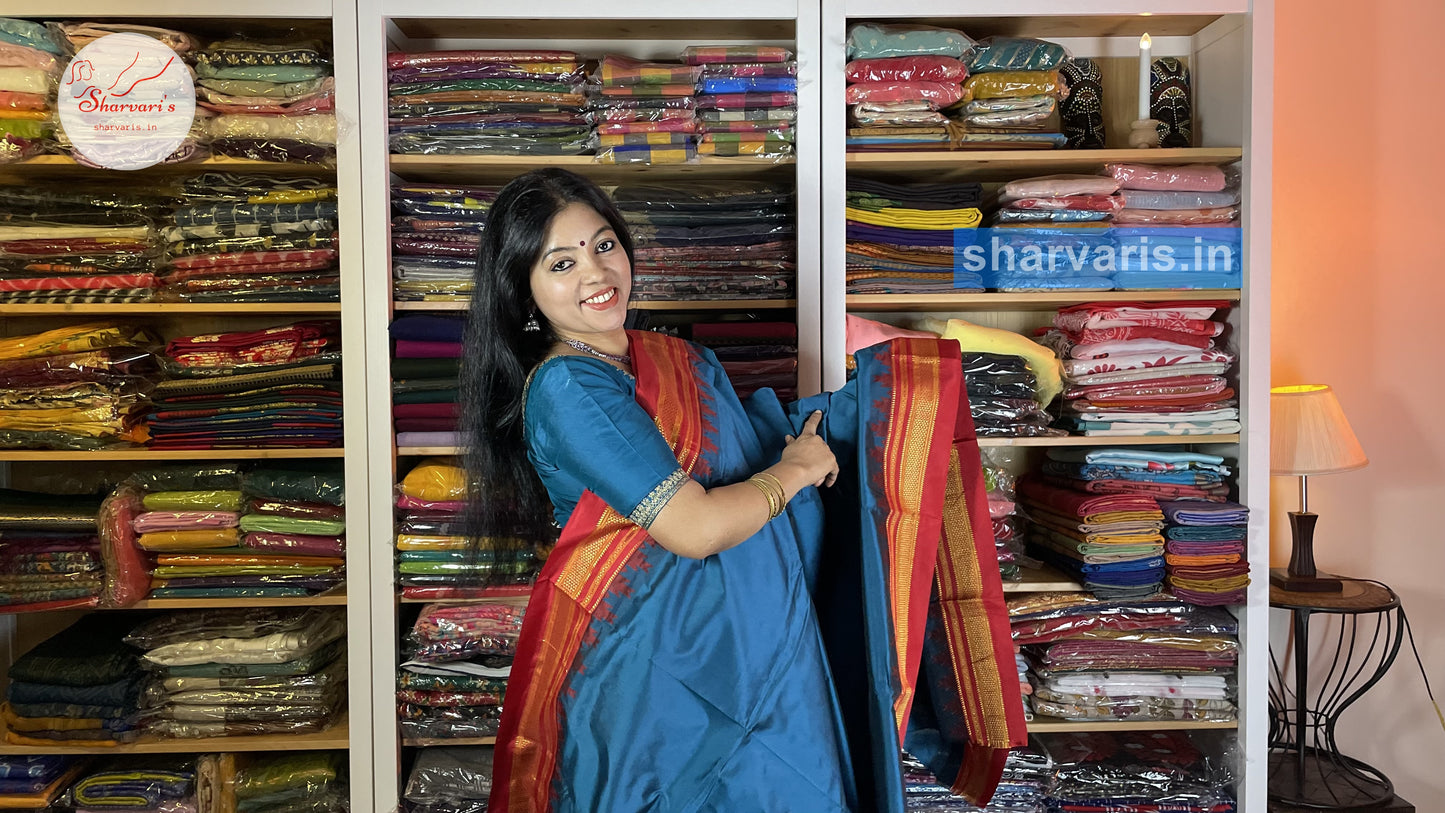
{"x": 509, "y": 510}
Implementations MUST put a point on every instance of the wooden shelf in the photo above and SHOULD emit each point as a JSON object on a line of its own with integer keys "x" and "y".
{"x": 65, "y": 165}
{"x": 997, "y": 165}
{"x": 148, "y": 455}
{"x": 1024, "y": 301}
{"x": 337, "y": 737}
{"x": 423, "y": 742}
{"x": 1079, "y": 440}
{"x": 1041, "y": 580}
{"x": 444, "y": 168}
{"x": 652, "y": 305}
{"x": 1177, "y": 19}
{"x": 331, "y": 598}
{"x": 428, "y": 451}
{"x": 174, "y": 308}
{"x": 1051, "y": 725}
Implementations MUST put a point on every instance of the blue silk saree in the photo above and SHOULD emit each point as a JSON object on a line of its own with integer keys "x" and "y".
{"x": 782, "y": 674}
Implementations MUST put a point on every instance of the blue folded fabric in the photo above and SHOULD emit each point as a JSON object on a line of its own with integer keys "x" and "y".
{"x": 750, "y": 84}
{"x": 44, "y": 766}
{"x": 124, "y": 692}
{"x": 1191, "y": 512}
{"x": 1124, "y": 567}
{"x": 428, "y": 328}
{"x": 1206, "y": 533}
{"x": 1175, "y": 280}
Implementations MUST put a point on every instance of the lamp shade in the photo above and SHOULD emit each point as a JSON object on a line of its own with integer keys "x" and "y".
{"x": 1309, "y": 434}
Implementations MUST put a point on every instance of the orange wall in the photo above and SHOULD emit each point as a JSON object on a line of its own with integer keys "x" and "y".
{"x": 1359, "y": 303}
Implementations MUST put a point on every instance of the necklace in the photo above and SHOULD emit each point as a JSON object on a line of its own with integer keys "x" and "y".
{"x": 589, "y": 349}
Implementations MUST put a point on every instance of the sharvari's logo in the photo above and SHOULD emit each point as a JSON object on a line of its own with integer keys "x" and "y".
{"x": 126, "y": 101}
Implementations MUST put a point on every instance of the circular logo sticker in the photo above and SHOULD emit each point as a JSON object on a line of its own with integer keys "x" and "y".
{"x": 126, "y": 101}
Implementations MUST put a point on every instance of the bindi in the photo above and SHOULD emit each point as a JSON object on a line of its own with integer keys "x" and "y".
{"x": 583, "y": 244}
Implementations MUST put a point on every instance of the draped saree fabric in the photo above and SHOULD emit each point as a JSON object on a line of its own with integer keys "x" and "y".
{"x": 783, "y": 673}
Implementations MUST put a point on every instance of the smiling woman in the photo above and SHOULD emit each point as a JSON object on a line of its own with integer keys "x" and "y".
{"x": 680, "y": 643}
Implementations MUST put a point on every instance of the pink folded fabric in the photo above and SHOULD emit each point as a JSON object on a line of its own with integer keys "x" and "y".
{"x": 1145, "y": 390}
{"x": 1078, "y": 504}
{"x": 1181, "y": 318}
{"x": 941, "y": 93}
{"x": 302, "y": 544}
{"x": 1053, "y": 186}
{"x": 410, "y": 349}
{"x": 1176, "y": 217}
{"x": 184, "y": 520}
{"x": 1099, "y": 335}
{"x": 1191, "y": 178}
{"x": 452, "y": 506}
{"x": 1143, "y": 361}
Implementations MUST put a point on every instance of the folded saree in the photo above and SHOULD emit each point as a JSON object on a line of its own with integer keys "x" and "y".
{"x": 1072, "y": 503}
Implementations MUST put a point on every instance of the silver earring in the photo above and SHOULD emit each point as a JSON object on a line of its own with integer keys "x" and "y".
{"x": 532, "y": 325}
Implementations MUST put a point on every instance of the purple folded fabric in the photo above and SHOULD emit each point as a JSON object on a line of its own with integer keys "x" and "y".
{"x": 444, "y": 410}
{"x": 1204, "y": 599}
{"x": 1191, "y": 512}
{"x": 409, "y": 349}
{"x": 426, "y": 424}
{"x": 300, "y": 544}
{"x": 902, "y": 237}
{"x": 429, "y": 439}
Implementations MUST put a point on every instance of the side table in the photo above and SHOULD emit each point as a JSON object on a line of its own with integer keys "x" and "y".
{"x": 1306, "y": 768}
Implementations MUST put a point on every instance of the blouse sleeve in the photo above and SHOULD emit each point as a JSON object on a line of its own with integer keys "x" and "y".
{"x": 582, "y": 419}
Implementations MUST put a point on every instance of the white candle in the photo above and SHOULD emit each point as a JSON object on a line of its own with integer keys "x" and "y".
{"x": 1144, "y": 67}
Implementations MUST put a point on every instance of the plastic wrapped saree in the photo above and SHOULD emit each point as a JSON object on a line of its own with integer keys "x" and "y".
{"x": 783, "y": 673}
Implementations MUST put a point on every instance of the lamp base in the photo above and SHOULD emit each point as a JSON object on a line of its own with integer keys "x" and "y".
{"x": 1321, "y": 583}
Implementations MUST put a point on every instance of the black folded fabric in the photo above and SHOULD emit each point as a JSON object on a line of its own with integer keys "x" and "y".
{"x": 89, "y": 652}
{"x": 921, "y": 195}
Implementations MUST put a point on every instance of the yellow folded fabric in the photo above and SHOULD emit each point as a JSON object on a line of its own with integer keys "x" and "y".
{"x": 1225, "y": 585}
{"x": 420, "y": 542}
{"x": 979, "y": 339}
{"x": 436, "y": 479}
{"x": 1004, "y": 84}
{"x": 190, "y": 539}
{"x": 69, "y": 339}
{"x": 930, "y": 219}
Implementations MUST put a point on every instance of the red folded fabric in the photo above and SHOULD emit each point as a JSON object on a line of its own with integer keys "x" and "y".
{"x": 1057, "y": 629}
{"x": 409, "y": 349}
{"x": 447, "y": 410}
{"x": 1099, "y": 335}
{"x": 1079, "y": 504}
{"x": 1162, "y": 388}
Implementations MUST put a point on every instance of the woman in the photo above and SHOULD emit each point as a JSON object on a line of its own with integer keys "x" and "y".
{"x": 688, "y": 645}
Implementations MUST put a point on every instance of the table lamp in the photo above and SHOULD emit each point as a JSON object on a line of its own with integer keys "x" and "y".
{"x": 1308, "y": 435}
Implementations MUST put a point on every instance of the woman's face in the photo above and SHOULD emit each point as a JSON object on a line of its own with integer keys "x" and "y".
{"x": 583, "y": 278}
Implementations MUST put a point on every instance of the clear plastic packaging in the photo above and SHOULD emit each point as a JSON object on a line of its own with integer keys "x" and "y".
{"x": 1191, "y": 178}
{"x": 322, "y": 485}
{"x": 993, "y": 54}
{"x": 616, "y": 69}
{"x": 1161, "y": 769}
{"x": 1014, "y": 84}
{"x": 874, "y": 41}
{"x": 1177, "y": 217}
{"x": 942, "y": 94}
{"x": 256, "y": 622}
{"x": 453, "y": 776}
{"x": 714, "y": 54}
{"x": 229, "y": 501}
{"x": 920, "y": 68}
{"x": 1049, "y": 703}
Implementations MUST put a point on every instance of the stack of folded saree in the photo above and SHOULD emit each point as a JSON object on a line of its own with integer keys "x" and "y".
{"x": 80, "y": 687}
{"x": 302, "y": 782}
{"x": 1156, "y": 473}
{"x": 452, "y": 779}
{"x": 1003, "y": 511}
{"x": 77, "y": 35}
{"x": 1011, "y": 98}
{"x": 1206, "y": 551}
{"x": 74, "y": 387}
{"x": 435, "y": 558}
{"x": 1154, "y": 658}
{"x": 902, "y": 238}
{"x": 487, "y": 103}
{"x": 710, "y": 240}
{"x": 738, "y": 70}
{"x": 253, "y": 238}
{"x": 1052, "y": 233}
{"x": 262, "y": 388}
{"x": 291, "y": 663}
{"x": 49, "y": 552}
{"x": 94, "y": 256}
{"x": 273, "y": 101}
{"x": 1109, "y": 542}
{"x": 29, "y": 68}
{"x": 1139, "y": 771}
{"x": 1027, "y": 774}
{"x": 754, "y": 354}
{"x": 35, "y": 782}
{"x": 1136, "y": 369}
{"x": 1010, "y": 379}
{"x": 899, "y": 78}
{"x": 1193, "y": 211}
{"x": 631, "y": 100}
{"x": 435, "y": 232}
{"x": 143, "y": 784}
{"x": 426, "y": 408}
{"x": 457, "y": 660}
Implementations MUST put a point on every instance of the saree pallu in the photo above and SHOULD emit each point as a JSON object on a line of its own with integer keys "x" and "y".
{"x": 737, "y": 649}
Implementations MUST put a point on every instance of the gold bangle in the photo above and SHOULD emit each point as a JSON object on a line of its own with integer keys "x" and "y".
{"x": 767, "y": 495}
{"x": 777, "y": 486}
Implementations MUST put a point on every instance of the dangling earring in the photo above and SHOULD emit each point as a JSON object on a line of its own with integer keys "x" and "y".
{"x": 532, "y": 325}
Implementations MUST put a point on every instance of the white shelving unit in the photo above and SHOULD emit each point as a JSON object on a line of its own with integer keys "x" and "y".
{"x": 336, "y": 22}
{"x": 1228, "y": 46}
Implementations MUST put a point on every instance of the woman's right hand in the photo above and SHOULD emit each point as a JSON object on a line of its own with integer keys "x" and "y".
{"x": 811, "y": 454}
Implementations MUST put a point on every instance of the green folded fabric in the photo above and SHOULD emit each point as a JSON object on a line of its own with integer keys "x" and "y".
{"x": 426, "y": 368}
{"x": 426, "y": 397}
{"x": 193, "y": 501}
{"x": 279, "y": 74}
{"x": 285, "y": 772}
{"x": 418, "y": 384}
{"x": 178, "y": 571}
{"x": 326, "y": 484}
{"x": 281, "y": 524}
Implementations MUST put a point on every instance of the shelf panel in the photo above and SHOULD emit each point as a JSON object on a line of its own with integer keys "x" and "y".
{"x": 1079, "y": 440}
{"x": 428, "y": 451}
{"x": 15, "y": 456}
{"x": 985, "y": 165}
{"x": 337, "y": 737}
{"x": 610, "y": 26}
{"x": 1041, "y": 580}
{"x": 332, "y": 598}
{"x": 653, "y": 305}
{"x": 423, "y": 742}
{"x": 64, "y": 165}
{"x": 1047, "y": 725}
{"x": 446, "y": 168}
{"x": 1172, "y": 20}
{"x": 173, "y": 308}
{"x": 1024, "y": 301}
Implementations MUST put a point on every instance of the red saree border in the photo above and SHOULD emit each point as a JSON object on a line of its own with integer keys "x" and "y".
{"x": 924, "y": 375}
{"x": 584, "y": 568}
{"x": 970, "y": 593}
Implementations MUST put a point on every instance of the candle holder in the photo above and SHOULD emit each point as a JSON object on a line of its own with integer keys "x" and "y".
{"x": 1144, "y": 134}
